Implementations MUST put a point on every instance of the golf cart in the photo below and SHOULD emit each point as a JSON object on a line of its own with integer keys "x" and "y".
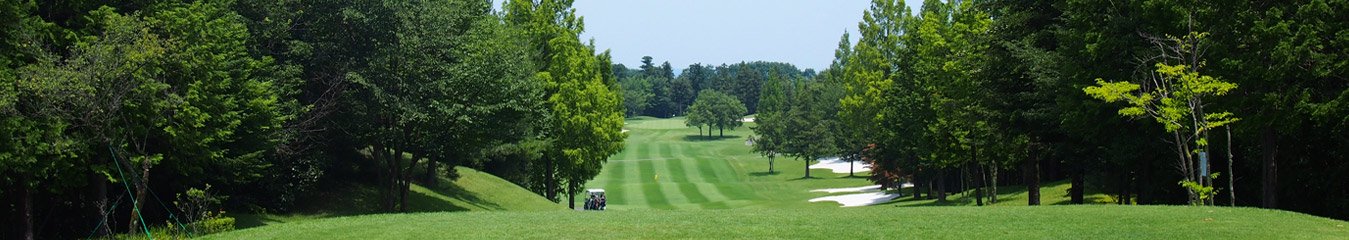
{"x": 595, "y": 200}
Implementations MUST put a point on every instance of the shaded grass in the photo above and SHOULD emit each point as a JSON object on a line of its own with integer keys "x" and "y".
{"x": 1051, "y": 193}
{"x": 473, "y": 191}
{"x": 1060, "y": 222}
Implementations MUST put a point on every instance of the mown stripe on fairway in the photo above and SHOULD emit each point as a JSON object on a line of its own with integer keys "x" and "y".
{"x": 721, "y": 169}
{"x": 705, "y": 182}
{"x": 686, "y": 186}
{"x": 617, "y": 171}
{"x": 669, "y": 178}
{"x": 650, "y": 190}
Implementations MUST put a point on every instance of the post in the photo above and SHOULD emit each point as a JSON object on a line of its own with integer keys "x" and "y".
{"x": 1231, "y": 175}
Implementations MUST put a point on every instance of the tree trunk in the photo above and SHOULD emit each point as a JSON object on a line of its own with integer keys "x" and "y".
{"x": 405, "y": 182}
{"x": 1269, "y": 180}
{"x": 137, "y": 202}
{"x": 993, "y": 185}
{"x": 101, "y": 199}
{"x": 979, "y": 187}
{"x": 1032, "y": 177}
{"x": 571, "y": 195}
{"x": 770, "y": 164}
{"x": 941, "y": 185}
{"x": 26, "y": 193}
{"x": 1079, "y": 183}
{"x": 964, "y": 180}
{"x": 979, "y": 168}
{"x": 721, "y": 131}
{"x": 850, "y": 166}
{"x": 917, "y": 185}
{"x": 430, "y": 173}
{"x": 807, "y": 168}
{"x": 551, "y": 176}
{"x": 397, "y": 173}
{"x": 1231, "y": 175}
{"x": 1186, "y": 168}
{"x": 1122, "y": 187}
{"x": 377, "y": 154}
{"x": 1141, "y": 197}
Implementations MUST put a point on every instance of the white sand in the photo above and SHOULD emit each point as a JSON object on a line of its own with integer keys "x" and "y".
{"x": 871, "y": 188}
{"x": 839, "y": 166}
{"x": 859, "y": 199}
{"x": 748, "y": 119}
{"x": 624, "y": 131}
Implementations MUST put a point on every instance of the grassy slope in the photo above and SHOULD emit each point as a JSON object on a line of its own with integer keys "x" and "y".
{"x": 1067, "y": 222}
{"x": 473, "y": 191}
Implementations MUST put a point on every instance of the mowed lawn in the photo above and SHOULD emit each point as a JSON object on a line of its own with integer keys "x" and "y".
{"x": 878, "y": 222}
{"x": 666, "y": 165}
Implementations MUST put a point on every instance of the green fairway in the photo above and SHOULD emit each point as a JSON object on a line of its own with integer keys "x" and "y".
{"x": 1062, "y": 222}
{"x": 666, "y": 165}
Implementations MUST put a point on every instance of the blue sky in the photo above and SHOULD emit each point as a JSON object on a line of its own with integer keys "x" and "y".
{"x": 800, "y": 32}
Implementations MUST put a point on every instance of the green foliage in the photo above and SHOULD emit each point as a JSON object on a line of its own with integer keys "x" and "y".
{"x": 201, "y": 213}
{"x": 811, "y": 118}
{"x": 637, "y": 94}
{"x": 716, "y": 109}
{"x": 585, "y": 110}
{"x": 770, "y": 122}
{"x": 1175, "y": 97}
{"x": 1205, "y": 192}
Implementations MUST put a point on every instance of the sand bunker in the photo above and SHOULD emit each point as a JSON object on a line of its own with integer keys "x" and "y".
{"x": 859, "y": 199}
{"x": 866, "y": 195}
{"x": 839, "y": 166}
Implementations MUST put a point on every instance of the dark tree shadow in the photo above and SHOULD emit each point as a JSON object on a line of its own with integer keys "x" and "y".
{"x": 805, "y": 178}
{"x": 761, "y": 174}
{"x": 699, "y": 138}
{"x": 421, "y": 202}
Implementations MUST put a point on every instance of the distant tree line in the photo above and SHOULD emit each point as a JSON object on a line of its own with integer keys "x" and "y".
{"x": 112, "y": 108}
{"x": 651, "y": 90}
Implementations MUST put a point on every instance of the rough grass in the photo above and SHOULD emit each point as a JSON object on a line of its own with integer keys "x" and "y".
{"x": 878, "y": 222}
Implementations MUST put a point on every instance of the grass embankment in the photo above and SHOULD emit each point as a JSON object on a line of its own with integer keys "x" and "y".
{"x": 879, "y": 222}
{"x": 473, "y": 191}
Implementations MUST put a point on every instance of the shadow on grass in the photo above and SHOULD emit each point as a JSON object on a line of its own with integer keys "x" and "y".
{"x": 805, "y": 178}
{"x": 700, "y": 138}
{"x": 854, "y": 176}
{"x": 422, "y": 202}
{"x": 761, "y": 174}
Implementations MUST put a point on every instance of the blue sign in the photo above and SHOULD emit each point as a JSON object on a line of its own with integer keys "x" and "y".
{"x": 1203, "y": 164}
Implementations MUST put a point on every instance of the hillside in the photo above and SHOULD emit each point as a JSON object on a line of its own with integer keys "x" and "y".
{"x": 1067, "y": 222}
{"x": 473, "y": 191}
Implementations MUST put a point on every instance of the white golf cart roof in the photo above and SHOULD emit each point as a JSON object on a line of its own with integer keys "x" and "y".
{"x": 595, "y": 190}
